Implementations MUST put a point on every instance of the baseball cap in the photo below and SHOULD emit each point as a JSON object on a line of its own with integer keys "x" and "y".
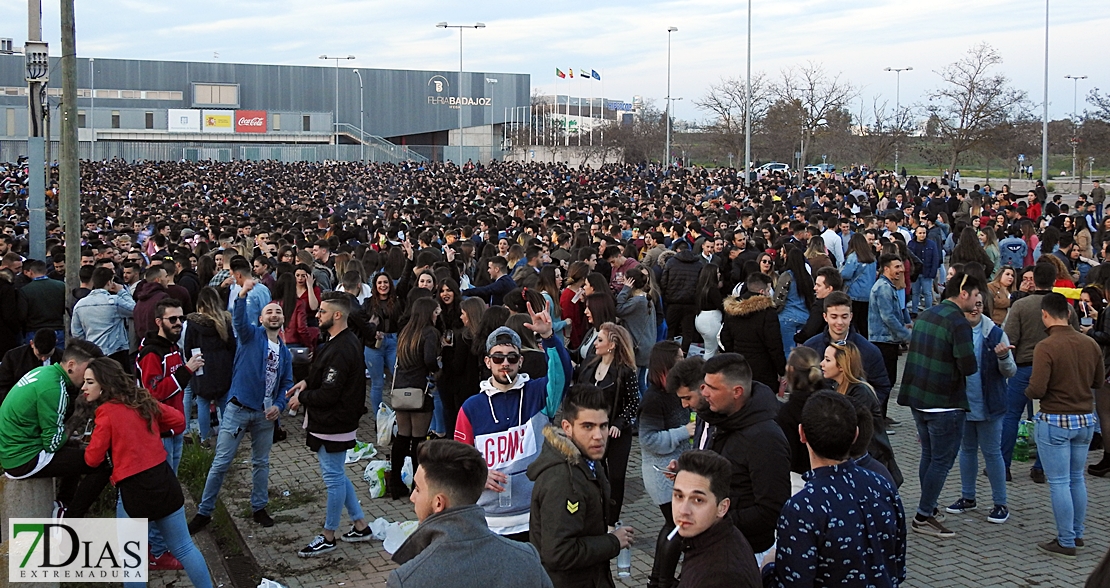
{"x": 502, "y": 336}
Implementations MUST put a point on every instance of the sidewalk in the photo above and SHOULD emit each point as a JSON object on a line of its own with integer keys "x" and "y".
{"x": 981, "y": 554}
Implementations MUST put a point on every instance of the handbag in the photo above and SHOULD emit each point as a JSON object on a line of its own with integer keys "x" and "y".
{"x": 406, "y": 398}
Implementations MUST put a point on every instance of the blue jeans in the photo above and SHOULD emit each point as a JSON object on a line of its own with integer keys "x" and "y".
{"x": 985, "y": 435}
{"x": 174, "y": 445}
{"x": 642, "y": 379}
{"x": 438, "y": 425}
{"x": 341, "y": 492}
{"x": 1065, "y": 455}
{"x": 176, "y": 531}
{"x": 204, "y": 414}
{"x": 187, "y": 404}
{"x": 1016, "y": 404}
{"x": 237, "y": 423}
{"x": 379, "y": 361}
{"x": 923, "y": 289}
{"x": 940, "y": 434}
{"x": 788, "y": 326}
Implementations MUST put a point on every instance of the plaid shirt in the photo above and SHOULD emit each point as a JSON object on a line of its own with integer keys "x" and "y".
{"x": 1068, "y": 421}
{"x": 942, "y": 355}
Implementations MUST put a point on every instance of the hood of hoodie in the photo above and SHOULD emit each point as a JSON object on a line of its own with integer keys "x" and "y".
{"x": 146, "y": 290}
{"x": 562, "y": 452}
{"x": 457, "y": 524}
{"x": 746, "y": 305}
{"x": 153, "y": 342}
{"x": 763, "y": 405}
{"x": 486, "y": 386}
{"x": 686, "y": 256}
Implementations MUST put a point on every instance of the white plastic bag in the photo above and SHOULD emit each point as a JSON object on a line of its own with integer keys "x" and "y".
{"x": 396, "y": 534}
{"x": 360, "y": 451}
{"x": 385, "y": 419}
{"x": 376, "y": 473}
{"x": 268, "y": 583}
{"x": 379, "y": 527}
{"x": 406, "y": 472}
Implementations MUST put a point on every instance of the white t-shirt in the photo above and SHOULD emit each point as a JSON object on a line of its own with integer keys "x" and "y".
{"x": 273, "y": 355}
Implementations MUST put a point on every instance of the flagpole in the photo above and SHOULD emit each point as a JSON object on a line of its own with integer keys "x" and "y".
{"x": 603, "y": 106}
{"x": 580, "y": 114}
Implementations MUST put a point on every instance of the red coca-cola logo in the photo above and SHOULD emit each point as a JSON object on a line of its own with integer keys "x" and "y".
{"x": 250, "y": 121}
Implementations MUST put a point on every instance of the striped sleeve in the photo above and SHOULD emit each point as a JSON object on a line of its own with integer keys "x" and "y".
{"x": 52, "y": 414}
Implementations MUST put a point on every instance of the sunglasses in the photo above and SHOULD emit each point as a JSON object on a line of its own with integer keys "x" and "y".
{"x": 498, "y": 358}
{"x": 174, "y": 319}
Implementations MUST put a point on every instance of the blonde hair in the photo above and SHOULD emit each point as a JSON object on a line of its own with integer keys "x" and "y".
{"x": 848, "y": 359}
{"x": 623, "y": 353}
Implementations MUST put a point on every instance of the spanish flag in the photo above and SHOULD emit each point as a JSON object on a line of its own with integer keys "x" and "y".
{"x": 559, "y": 73}
{"x": 570, "y": 72}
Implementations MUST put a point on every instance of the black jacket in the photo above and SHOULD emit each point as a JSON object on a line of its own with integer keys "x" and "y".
{"x": 189, "y": 280}
{"x": 12, "y": 310}
{"x": 219, "y": 356}
{"x": 17, "y": 362}
{"x": 815, "y": 325}
{"x": 719, "y": 558}
{"x": 336, "y": 395}
{"x": 789, "y": 417}
{"x": 753, "y": 443}
{"x": 622, "y": 391}
{"x": 751, "y": 328}
{"x": 680, "y": 278}
{"x": 737, "y": 273}
{"x": 570, "y": 504}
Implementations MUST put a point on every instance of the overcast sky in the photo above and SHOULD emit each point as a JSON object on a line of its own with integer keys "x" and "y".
{"x": 624, "y": 40}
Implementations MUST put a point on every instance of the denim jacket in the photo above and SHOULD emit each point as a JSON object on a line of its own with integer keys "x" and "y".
{"x": 886, "y": 318}
{"x": 858, "y": 278}
{"x": 99, "y": 318}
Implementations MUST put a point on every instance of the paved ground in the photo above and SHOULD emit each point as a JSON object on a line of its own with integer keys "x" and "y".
{"x": 982, "y": 554}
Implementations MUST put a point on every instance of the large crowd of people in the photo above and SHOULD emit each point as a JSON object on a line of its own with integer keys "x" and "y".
{"x": 524, "y": 322}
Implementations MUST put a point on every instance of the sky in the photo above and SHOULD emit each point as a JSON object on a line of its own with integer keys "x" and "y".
{"x": 625, "y": 41}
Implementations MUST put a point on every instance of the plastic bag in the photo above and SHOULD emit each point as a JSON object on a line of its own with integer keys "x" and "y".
{"x": 396, "y": 534}
{"x": 268, "y": 583}
{"x": 385, "y": 419}
{"x": 379, "y": 527}
{"x": 376, "y": 473}
{"x": 406, "y": 472}
{"x": 360, "y": 451}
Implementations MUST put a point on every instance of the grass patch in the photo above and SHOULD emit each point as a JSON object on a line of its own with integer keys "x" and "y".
{"x": 193, "y": 472}
{"x": 279, "y": 502}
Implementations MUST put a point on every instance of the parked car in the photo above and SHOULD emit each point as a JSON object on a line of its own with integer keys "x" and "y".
{"x": 820, "y": 168}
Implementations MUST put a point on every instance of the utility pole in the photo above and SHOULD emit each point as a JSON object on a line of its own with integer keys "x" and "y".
{"x": 667, "y": 149}
{"x": 69, "y": 196}
{"x": 38, "y": 73}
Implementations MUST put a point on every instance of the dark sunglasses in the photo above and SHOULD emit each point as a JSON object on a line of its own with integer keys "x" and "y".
{"x": 174, "y": 319}
{"x": 498, "y": 358}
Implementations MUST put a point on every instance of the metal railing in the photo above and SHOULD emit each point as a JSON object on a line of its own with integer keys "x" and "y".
{"x": 377, "y": 148}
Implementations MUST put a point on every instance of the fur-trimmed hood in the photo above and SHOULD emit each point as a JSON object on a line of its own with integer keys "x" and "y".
{"x": 557, "y": 451}
{"x": 558, "y": 440}
{"x": 734, "y": 306}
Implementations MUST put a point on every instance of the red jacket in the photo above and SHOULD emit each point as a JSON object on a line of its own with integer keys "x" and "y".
{"x": 135, "y": 448}
{"x": 162, "y": 371}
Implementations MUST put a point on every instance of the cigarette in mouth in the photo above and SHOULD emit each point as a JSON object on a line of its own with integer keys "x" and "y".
{"x": 672, "y": 534}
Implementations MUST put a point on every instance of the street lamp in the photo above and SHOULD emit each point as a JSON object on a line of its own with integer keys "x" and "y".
{"x": 897, "y": 107}
{"x": 748, "y": 105}
{"x": 1074, "y": 117}
{"x": 444, "y": 25}
{"x": 336, "y": 114}
{"x": 1044, "y": 106}
{"x": 667, "y": 156}
{"x": 361, "y": 120}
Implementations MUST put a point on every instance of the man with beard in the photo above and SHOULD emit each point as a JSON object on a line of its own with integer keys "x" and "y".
{"x": 262, "y": 372}
{"x": 163, "y": 371}
{"x": 512, "y": 410}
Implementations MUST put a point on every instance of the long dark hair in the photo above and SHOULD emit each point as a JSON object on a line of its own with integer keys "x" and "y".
{"x": 374, "y": 304}
{"x": 663, "y": 357}
{"x": 858, "y": 244}
{"x": 285, "y": 292}
{"x": 117, "y": 386}
{"x": 803, "y": 282}
{"x": 602, "y": 309}
{"x": 708, "y": 278}
{"x": 410, "y": 340}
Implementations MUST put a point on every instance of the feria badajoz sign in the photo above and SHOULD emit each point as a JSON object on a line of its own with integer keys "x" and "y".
{"x": 439, "y": 92}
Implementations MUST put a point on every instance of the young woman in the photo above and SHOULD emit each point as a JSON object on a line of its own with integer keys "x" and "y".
{"x": 665, "y": 433}
{"x": 708, "y": 297}
{"x": 462, "y": 361}
{"x": 129, "y": 425}
{"x": 533, "y": 358}
{"x": 383, "y": 310}
{"x": 550, "y": 285}
{"x": 803, "y": 379}
{"x": 418, "y": 349}
{"x": 636, "y": 308}
{"x": 842, "y": 364}
{"x": 600, "y": 309}
{"x": 797, "y": 298}
{"x": 1001, "y": 288}
{"x": 572, "y": 303}
{"x": 307, "y": 289}
{"x": 450, "y": 300}
{"x": 989, "y": 240}
{"x": 209, "y": 329}
{"x": 817, "y": 255}
{"x": 613, "y": 370}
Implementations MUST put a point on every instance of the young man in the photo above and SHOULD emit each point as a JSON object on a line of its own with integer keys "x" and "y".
{"x": 453, "y": 541}
{"x": 257, "y": 298}
{"x": 512, "y": 410}
{"x": 570, "y": 499}
{"x": 685, "y": 381}
{"x": 494, "y": 292}
{"x": 846, "y": 527}
{"x": 335, "y": 398}
{"x": 32, "y": 436}
{"x": 743, "y": 415}
{"x": 716, "y": 552}
{"x": 1066, "y": 366}
{"x": 888, "y": 323}
{"x": 263, "y": 371}
{"x": 934, "y": 386}
{"x": 101, "y": 317}
{"x": 17, "y": 362}
{"x": 826, "y": 281}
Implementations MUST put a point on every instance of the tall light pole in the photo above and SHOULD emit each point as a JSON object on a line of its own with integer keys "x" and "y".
{"x": 444, "y": 25}
{"x": 92, "y": 102}
{"x": 897, "y": 108}
{"x": 1044, "y": 112}
{"x": 1074, "y": 117}
{"x": 748, "y": 104}
{"x": 667, "y": 151}
{"x": 361, "y": 120}
{"x": 335, "y": 122}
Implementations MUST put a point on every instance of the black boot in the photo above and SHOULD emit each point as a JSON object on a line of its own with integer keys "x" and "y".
{"x": 1096, "y": 442}
{"x": 667, "y": 554}
{"x": 400, "y": 448}
{"x": 414, "y": 452}
{"x": 1102, "y": 468}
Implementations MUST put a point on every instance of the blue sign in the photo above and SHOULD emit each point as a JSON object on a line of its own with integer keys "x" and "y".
{"x": 618, "y": 105}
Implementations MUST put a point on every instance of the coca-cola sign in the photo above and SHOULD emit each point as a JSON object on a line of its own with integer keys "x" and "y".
{"x": 250, "y": 121}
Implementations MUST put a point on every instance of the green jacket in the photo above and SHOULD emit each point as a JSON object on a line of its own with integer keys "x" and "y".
{"x": 32, "y": 416}
{"x": 567, "y": 522}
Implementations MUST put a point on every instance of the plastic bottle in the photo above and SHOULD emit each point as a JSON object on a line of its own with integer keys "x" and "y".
{"x": 1021, "y": 450}
{"x": 624, "y": 559}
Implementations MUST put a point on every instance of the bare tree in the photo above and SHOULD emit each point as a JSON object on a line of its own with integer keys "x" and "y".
{"x": 726, "y": 102}
{"x": 1101, "y": 102}
{"x": 642, "y": 139}
{"x": 883, "y": 132}
{"x": 817, "y": 95}
{"x": 973, "y": 101}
